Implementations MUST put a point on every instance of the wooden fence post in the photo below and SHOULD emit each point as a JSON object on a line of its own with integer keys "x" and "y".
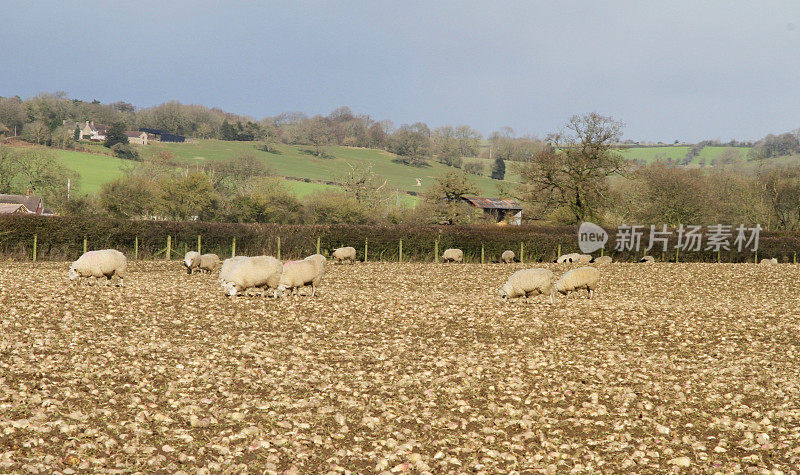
{"x": 400, "y": 256}
{"x": 317, "y": 244}
{"x": 233, "y": 247}
{"x": 136, "y": 248}
{"x": 169, "y": 248}
{"x": 199, "y": 239}
{"x": 522, "y": 251}
{"x": 35, "y": 243}
{"x": 279, "y": 248}
{"x": 602, "y": 251}
{"x": 794, "y": 258}
{"x": 436, "y": 251}
{"x": 558, "y": 252}
{"x": 85, "y": 244}
{"x": 755, "y": 259}
{"x": 481, "y": 253}
{"x": 677, "y": 252}
{"x": 718, "y": 256}
{"x": 366, "y": 249}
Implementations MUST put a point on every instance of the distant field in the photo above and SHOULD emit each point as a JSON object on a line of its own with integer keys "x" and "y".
{"x": 302, "y": 189}
{"x": 291, "y": 161}
{"x": 94, "y": 169}
{"x": 650, "y": 154}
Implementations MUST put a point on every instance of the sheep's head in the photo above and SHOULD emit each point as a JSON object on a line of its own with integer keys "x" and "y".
{"x": 230, "y": 289}
{"x": 281, "y": 290}
{"x": 73, "y": 274}
{"x": 504, "y": 291}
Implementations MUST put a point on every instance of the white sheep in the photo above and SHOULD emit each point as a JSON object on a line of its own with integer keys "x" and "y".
{"x": 253, "y": 272}
{"x": 647, "y": 260}
{"x": 344, "y": 254}
{"x": 580, "y": 278}
{"x": 106, "y": 263}
{"x": 603, "y": 260}
{"x": 206, "y": 263}
{"x": 299, "y": 274}
{"x": 187, "y": 260}
{"x": 507, "y": 257}
{"x": 227, "y": 265}
{"x": 317, "y": 258}
{"x": 568, "y": 258}
{"x": 453, "y": 255}
{"x": 769, "y": 262}
{"x": 528, "y": 282}
{"x": 583, "y": 259}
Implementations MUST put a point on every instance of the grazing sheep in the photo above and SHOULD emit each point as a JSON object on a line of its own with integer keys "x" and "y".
{"x": 528, "y": 282}
{"x": 250, "y": 272}
{"x": 206, "y": 263}
{"x": 300, "y": 274}
{"x": 603, "y": 260}
{"x": 317, "y": 258}
{"x": 187, "y": 261}
{"x": 568, "y": 258}
{"x": 647, "y": 260}
{"x": 583, "y": 259}
{"x": 106, "y": 263}
{"x": 507, "y": 257}
{"x": 227, "y": 265}
{"x": 580, "y": 278}
{"x": 453, "y": 255}
{"x": 344, "y": 254}
{"x": 769, "y": 262}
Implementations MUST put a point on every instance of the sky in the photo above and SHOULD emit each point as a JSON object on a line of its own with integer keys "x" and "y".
{"x": 684, "y": 70}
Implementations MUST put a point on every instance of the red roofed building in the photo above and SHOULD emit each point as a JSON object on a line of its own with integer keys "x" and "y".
{"x": 33, "y": 204}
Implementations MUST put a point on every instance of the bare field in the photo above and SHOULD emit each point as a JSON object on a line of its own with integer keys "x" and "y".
{"x": 402, "y": 367}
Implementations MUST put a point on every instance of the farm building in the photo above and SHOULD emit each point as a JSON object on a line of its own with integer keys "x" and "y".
{"x": 138, "y": 138}
{"x": 13, "y": 208}
{"x": 164, "y": 136}
{"x": 31, "y": 203}
{"x": 502, "y": 210}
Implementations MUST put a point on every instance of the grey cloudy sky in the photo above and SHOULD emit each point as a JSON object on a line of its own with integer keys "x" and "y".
{"x": 687, "y": 70}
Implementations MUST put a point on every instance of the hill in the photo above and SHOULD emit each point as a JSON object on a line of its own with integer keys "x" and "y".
{"x": 307, "y": 174}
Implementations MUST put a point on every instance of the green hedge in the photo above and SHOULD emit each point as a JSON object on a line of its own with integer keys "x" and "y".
{"x": 61, "y": 238}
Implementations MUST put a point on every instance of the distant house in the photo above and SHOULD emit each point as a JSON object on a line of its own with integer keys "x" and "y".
{"x": 501, "y": 210}
{"x": 33, "y": 204}
{"x": 92, "y": 131}
{"x": 13, "y": 208}
{"x": 139, "y": 138}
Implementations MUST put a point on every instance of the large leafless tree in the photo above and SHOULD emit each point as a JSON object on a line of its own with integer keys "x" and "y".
{"x": 572, "y": 173}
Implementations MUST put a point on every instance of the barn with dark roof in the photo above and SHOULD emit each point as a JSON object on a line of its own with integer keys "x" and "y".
{"x": 501, "y": 210}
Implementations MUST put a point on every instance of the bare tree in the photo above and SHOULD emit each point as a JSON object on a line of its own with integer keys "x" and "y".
{"x": 572, "y": 173}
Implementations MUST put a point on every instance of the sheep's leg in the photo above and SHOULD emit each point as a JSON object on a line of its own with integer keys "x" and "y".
{"x": 313, "y": 290}
{"x": 591, "y": 294}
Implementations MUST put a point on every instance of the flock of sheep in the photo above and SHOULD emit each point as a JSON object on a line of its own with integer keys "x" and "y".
{"x": 238, "y": 275}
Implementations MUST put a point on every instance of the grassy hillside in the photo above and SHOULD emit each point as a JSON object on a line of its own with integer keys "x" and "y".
{"x": 649, "y": 154}
{"x": 292, "y": 161}
{"x": 94, "y": 169}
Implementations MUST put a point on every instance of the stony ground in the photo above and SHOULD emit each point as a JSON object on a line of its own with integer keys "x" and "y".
{"x": 402, "y": 367}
